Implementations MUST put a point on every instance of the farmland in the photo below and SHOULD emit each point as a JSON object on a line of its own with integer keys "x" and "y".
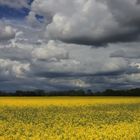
{"x": 69, "y": 118}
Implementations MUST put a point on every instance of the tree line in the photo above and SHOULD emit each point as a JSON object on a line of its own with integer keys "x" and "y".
{"x": 81, "y": 92}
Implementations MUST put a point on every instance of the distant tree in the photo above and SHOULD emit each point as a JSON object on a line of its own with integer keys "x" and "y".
{"x": 80, "y": 92}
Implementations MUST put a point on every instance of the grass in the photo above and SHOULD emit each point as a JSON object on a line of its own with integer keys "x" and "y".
{"x": 69, "y": 118}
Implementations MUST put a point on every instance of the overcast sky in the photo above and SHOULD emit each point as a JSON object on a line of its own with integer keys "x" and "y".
{"x": 69, "y": 44}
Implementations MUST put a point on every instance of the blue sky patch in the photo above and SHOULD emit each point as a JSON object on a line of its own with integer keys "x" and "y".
{"x": 7, "y": 12}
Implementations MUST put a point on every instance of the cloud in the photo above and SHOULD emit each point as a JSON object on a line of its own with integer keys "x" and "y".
{"x": 80, "y": 83}
{"x": 127, "y": 54}
{"x": 12, "y": 69}
{"x": 58, "y": 65}
{"x": 127, "y": 50}
{"x": 90, "y": 22}
{"x": 19, "y": 52}
{"x": 59, "y": 59}
{"x": 6, "y": 32}
{"x": 50, "y": 52}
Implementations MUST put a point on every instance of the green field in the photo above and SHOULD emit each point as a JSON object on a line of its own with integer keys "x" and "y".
{"x": 70, "y": 118}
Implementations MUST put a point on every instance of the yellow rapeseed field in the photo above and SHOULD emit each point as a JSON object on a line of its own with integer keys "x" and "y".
{"x": 70, "y": 118}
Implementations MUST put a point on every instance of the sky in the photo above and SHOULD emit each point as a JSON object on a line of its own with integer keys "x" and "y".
{"x": 69, "y": 44}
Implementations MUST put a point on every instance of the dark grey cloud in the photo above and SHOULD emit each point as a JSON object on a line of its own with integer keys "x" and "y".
{"x": 90, "y": 22}
{"x": 135, "y": 54}
{"x": 128, "y": 36}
